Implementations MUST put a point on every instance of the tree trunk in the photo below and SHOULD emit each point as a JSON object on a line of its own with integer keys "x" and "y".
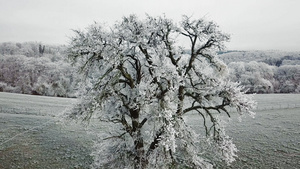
{"x": 140, "y": 160}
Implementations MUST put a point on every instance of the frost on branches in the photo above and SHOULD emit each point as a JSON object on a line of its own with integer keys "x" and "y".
{"x": 141, "y": 85}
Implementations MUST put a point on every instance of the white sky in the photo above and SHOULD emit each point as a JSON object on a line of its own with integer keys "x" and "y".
{"x": 253, "y": 24}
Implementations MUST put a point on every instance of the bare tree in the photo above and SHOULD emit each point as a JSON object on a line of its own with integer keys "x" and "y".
{"x": 41, "y": 49}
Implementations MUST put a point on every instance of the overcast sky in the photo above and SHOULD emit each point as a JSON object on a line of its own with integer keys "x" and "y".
{"x": 253, "y": 24}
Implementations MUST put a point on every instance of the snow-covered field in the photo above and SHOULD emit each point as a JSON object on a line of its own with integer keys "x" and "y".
{"x": 31, "y": 137}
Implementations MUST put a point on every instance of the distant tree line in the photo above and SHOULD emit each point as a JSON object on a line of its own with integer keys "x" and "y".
{"x": 260, "y": 77}
{"x": 30, "y": 49}
{"x": 33, "y": 68}
{"x": 265, "y": 72}
{"x": 285, "y": 60}
{"x": 274, "y": 58}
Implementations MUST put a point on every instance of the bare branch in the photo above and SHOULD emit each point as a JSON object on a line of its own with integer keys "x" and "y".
{"x": 126, "y": 75}
{"x": 204, "y": 122}
{"x": 119, "y": 136}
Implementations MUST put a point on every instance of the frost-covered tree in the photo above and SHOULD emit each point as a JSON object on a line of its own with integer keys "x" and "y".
{"x": 142, "y": 86}
{"x": 257, "y": 77}
{"x": 49, "y": 75}
{"x": 288, "y": 78}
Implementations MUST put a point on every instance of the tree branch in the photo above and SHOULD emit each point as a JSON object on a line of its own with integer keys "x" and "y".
{"x": 204, "y": 122}
{"x": 126, "y": 75}
{"x": 127, "y": 127}
{"x": 143, "y": 122}
{"x": 155, "y": 141}
{"x": 120, "y": 136}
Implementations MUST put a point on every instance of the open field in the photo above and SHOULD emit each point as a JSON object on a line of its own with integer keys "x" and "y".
{"x": 30, "y": 136}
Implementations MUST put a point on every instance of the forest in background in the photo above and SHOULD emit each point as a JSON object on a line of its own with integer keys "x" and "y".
{"x": 39, "y": 69}
{"x": 265, "y": 71}
{"x": 34, "y": 68}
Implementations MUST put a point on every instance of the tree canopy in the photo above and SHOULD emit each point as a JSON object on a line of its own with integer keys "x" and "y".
{"x": 141, "y": 84}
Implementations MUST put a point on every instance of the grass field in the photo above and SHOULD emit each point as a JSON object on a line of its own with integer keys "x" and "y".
{"x": 30, "y": 136}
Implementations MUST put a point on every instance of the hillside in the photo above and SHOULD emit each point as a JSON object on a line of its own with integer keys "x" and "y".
{"x": 39, "y": 69}
{"x": 275, "y": 58}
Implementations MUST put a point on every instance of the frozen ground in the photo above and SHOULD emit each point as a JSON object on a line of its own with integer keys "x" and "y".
{"x": 30, "y": 136}
{"x": 272, "y": 138}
